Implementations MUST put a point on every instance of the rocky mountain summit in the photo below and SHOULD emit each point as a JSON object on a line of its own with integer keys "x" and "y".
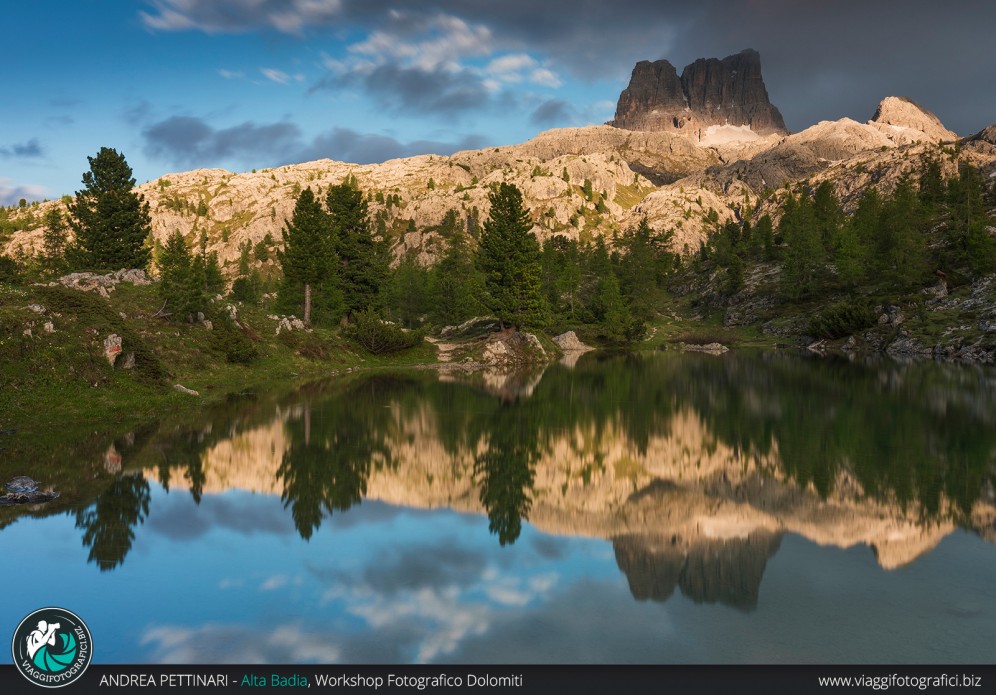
{"x": 710, "y": 92}
{"x": 688, "y": 152}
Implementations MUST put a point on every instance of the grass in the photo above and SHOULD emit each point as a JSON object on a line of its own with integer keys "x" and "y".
{"x": 61, "y": 380}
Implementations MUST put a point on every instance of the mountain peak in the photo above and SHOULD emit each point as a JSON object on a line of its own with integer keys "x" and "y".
{"x": 710, "y": 91}
{"x": 903, "y": 112}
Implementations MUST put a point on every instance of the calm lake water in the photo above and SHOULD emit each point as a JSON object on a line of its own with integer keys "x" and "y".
{"x": 750, "y": 508}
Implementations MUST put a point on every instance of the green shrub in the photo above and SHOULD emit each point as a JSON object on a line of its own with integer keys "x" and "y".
{"x": 10, "y": 273}
{"x": 379, "y": 337}
{"x": 838, "y": 320}
{"x": 229, "y": 339}
{"x": 245, "y": 290}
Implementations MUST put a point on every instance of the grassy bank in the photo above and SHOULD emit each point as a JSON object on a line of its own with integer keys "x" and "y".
{"x": 54, "y": 375}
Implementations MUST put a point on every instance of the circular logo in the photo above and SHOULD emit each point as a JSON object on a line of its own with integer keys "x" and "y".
{"x": 52, "y": 647}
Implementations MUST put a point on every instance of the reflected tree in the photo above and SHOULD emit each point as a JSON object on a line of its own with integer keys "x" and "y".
{"x": 332, "y": 447}
{"x": 506, "y": 471}
{"x": 109, "y": 523}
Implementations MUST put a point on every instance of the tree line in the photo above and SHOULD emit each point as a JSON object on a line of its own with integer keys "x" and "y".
{"x": 892, "y": 243}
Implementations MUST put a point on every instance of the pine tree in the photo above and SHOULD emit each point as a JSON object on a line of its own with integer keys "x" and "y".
{"x": 55, "y": 240}
{"x": 829, "y": 216}
{"x": 307, "y": 256}
{"x": 180, "y": 278}
{"x": 764, "y": 238}
{"x": 456, "y": 286}
{"x": 609, "y": 308}
{"x": 408, "y": 292}
{"x": 804, "y": 259}
{"x": 363, "y": 260}
{"x": 638, "y": 271}
{"x": 970, "y": 240}
{"x": 901, "y": 246}
{"x": 110, "y": 221}
{"x": 932, "y": 185}
{"x": 509, "y": 258}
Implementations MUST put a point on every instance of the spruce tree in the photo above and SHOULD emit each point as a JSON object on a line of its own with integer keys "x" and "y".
{"x": 307, "y": 257}
{"x": 638, "y": 270}
{"x": 408, "y": 292}
{"x": 901, "y": 246}
{"x": 55, "y": 240}
{"x": 363, "y": 259}
{"x": 456, "y": 285}
{"x": 804, "y": 260}
{"x": 509, "y": 258}
{"x": 180, "y": 279}
{"x": 110, "y": 221}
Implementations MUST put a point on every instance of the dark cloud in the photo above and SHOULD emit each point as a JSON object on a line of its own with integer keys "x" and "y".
{"x": 405, "y": 89}
{"x": 26, "y": 150}
{"x": 177, "y": 516}
{"x": 552, "y": 111}
{"x": 433, "y": 567}
{"x": 347, "y": 145}
{"x": 11, "y": 193}
{"x": 550, "y": 547}
{"x": 191, "y": 141}
{"x": 138, "y": 113}
{"x": 188, "y": 140}
{"x": 821, "y": 60}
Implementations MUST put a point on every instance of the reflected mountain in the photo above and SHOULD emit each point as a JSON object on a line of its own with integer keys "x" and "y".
{"x": 693, "y": 466}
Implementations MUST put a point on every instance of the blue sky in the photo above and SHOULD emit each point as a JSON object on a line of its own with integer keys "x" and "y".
{"x": 182, "y": 84}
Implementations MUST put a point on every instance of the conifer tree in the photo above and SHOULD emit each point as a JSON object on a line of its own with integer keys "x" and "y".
{"x": 363, "y": 260}
{"x": 180, "y": 279}
{"x": 110, "y": 221}
{"x": 509, "y": 258}
{"x": 804, "y": 260}
{"x": 456, "y": 285}
{"x": 408, "y": 292}
{"x": 307, "y": 256}
{"x": 55, "y": 240}
{"x": 901, "y": 247}
{"x": 638, "y": 270}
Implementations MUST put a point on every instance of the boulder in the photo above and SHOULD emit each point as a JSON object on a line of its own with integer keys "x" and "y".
{"x": 112, "y": 348}
{"x": 569, "y": 342}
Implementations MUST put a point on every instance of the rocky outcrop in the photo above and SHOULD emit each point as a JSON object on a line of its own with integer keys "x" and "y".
{"x": 900, "y": 114}
{"x": 569, "y": 342}
{"x": 709, "y": 92}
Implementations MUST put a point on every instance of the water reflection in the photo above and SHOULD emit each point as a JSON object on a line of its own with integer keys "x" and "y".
{"x": 694, "y": 467}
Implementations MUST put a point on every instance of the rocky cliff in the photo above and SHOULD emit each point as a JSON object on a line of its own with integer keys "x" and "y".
{"x": 710, "y": 92}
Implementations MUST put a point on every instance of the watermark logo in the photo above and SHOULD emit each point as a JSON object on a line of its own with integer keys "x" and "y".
{"x": 52, "y": 647}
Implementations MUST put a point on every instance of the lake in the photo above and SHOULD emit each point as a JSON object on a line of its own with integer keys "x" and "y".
{"x": 665, "y": 508}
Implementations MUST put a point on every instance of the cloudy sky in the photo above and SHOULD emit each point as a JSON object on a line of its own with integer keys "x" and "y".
{"x": 181, "y": 84}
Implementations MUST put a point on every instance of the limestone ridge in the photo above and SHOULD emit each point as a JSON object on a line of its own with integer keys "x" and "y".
{"x": 709, "y": 92}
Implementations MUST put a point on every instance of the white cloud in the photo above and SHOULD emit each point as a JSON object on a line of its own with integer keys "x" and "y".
{"x": 274, "y": 75}
{"x": 226, "y": 643}
{"x": 545, "y": 77}
{"x": 276, "y": 582}
{"x": 510, "y": 66}
{"x": 10, "y": 194}
{"x": 231, "y": 74}
{"x": 442, "y": 41}
{"x": 229, "y": 16}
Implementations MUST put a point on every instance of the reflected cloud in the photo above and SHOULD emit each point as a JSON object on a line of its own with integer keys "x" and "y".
{"x": 239, "y": 644}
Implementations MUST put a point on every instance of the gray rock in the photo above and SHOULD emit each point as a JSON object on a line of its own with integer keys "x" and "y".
{"x": 708, "y": 348}
{"x": 710, "y": 92}
{"x": 183, "y": 389}
{"x": 569, "y": 342}
{"x": 112, "y": 348}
